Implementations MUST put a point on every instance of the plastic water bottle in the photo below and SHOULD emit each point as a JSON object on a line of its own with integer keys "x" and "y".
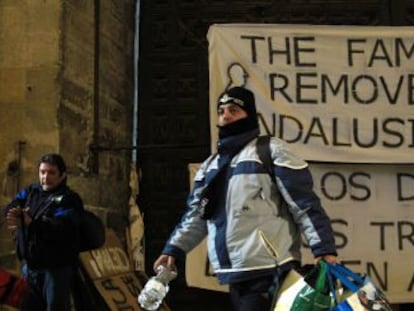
{"x": 156, "y": 288}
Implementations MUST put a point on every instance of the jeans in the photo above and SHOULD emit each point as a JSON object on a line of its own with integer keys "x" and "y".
{"x": 257, "y": 294}
{"x": 252, "y": 295}
{"x": 50, "y": 289}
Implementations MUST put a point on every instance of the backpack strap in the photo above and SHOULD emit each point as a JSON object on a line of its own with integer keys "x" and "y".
{"x": 44, "y": 207}
{"x": 265, "y": 155}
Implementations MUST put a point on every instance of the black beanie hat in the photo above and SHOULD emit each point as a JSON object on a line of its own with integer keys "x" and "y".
{"x": 241, "y": 97}
{"x": 245, "y": 100}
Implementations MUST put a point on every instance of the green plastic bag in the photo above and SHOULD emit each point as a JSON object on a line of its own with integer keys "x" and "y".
{"x": 315, "y": 295}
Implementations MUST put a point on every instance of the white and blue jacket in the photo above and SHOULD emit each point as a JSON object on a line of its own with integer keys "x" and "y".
{"x": 257, "y": 224}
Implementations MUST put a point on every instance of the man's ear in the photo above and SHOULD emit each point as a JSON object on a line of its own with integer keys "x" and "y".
{"x": 63, "y": 176}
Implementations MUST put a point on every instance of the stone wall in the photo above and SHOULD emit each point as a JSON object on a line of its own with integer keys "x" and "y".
{"x": 66, "y": 86}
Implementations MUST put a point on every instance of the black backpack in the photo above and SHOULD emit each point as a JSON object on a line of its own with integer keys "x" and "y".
{"x": 92, "y": 232}
{"x": 265, "y": 155}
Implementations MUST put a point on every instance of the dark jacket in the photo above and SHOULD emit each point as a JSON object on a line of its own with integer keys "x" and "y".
{"x": 52, "y": 238}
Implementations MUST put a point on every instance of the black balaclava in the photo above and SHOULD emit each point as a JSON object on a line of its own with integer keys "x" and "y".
{"x": 245, "y": 100}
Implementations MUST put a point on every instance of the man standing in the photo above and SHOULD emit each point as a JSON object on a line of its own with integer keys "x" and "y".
{"x": 45, "y": 217}
{"x": 253, "y": 225}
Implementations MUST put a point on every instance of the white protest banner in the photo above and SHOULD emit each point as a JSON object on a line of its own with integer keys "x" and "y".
{"x": 335, "y": 93}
